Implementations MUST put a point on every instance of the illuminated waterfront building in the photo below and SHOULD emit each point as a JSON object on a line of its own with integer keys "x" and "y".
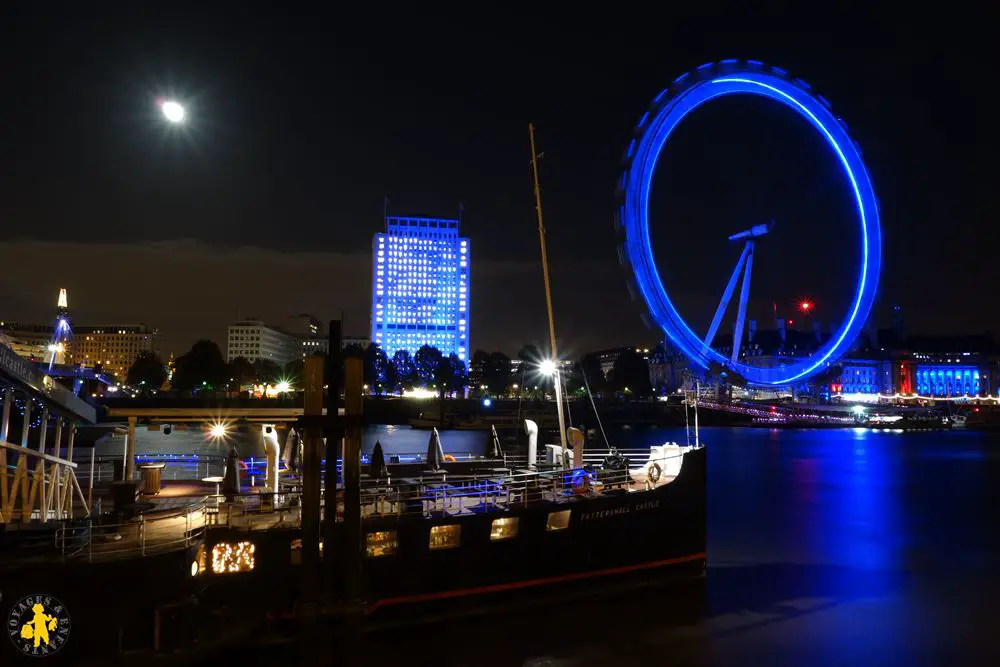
{"x": 113, "y": 347}
{"x": 254, "y": 341}
{"x": 929, "y": 366}
{"x": 420, "y": 287}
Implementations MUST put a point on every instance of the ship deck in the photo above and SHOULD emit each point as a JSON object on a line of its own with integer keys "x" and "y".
{"x": 180, "y": 513}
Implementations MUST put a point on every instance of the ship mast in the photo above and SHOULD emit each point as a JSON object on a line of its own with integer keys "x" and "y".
{"x": 548, "y": 299}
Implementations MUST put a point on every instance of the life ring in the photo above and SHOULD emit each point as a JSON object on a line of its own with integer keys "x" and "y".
{"x": 449, "y": 458}
{"x": 654, "y": 472}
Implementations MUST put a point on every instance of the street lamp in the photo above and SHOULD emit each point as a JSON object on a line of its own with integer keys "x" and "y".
{"x": 173, "y": 111}
{"x": 548, "y": 367}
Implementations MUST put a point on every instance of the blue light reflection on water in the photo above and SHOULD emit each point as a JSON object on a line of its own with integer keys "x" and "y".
{"x": 858, "y": 498}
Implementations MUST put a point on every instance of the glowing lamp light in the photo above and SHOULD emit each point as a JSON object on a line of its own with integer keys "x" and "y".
{"x": 283, "y": 386}
{"x": 172, "y": 111}
{"x": 419, "y": 393}
{"x": 487, "y": 402}
{"x": 806, "y": 306}
{"x": 858, "y": 409}
{"x": 218, "y": 430}
{"x": 547, "y": 367}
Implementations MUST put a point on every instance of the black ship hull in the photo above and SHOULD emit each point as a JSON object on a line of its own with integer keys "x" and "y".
{"x": 159, "y": 602}
{"x": 612, "y": 535}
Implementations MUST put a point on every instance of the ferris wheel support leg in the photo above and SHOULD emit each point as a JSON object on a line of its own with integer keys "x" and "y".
{"x": 742, "y": 312}
{"x": 726, "y": 296}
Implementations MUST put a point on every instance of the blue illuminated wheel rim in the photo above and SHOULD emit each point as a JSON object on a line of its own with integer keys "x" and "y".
{"x": 670, "y": 107}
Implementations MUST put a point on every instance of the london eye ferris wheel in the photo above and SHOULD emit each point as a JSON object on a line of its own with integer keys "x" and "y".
{"x": 685, "y": 95}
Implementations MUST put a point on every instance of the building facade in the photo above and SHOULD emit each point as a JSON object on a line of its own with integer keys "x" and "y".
{"x": 112, "y": 348}
{"x": 30, "y": 341}
{"x": 420, "y": 287}
{"x": 254, "y": 340}
{"x": 894, "y": 364}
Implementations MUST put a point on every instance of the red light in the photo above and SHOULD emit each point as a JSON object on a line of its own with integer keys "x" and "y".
{"x": 805, "y": 306}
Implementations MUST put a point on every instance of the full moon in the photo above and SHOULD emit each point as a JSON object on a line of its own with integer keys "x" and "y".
{"x": 173, "y": 111}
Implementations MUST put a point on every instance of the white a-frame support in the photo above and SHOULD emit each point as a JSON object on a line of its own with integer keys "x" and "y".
{"x": 745, "y": 266}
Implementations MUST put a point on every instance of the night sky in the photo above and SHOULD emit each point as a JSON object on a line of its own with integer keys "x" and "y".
{"x": 302, "y": 122}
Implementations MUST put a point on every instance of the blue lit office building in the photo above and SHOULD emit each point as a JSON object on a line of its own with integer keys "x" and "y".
{"x": 420, "y": 287}
{"x": 941, "y": 380}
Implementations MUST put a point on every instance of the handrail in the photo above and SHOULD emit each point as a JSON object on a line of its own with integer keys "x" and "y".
{"x": 25, "y": 451}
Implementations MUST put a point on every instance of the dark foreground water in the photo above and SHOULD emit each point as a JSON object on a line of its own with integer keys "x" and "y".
{"x": 826, "y": 547}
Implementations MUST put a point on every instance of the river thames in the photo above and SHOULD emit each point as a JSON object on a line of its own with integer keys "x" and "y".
{"x": 826, "y": 547}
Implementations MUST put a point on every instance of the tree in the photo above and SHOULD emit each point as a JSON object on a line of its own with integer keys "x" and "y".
{"x": 268, "y": 372}
{"x": 242, "y": 371}
{"x": 450, "y": 374}
{"x": 498, "y": 374}
{"x": 630, "y": 374}
{"x": 293, "y": 372}
{"x": 426, "y": 361}
{"x": 147, "y": 372}
{"x": 590, "y": 368}
{"x": 479, "y": 366}
{"x": 202, "y": 367}
{"x": 376, "y": 367}
{"x": 403, "y": 372}
{"x": 392, "y": 383}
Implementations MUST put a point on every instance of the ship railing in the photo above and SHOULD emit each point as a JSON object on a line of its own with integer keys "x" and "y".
{"x": 176, "y": 467}
{"x": 259, "y": 511}
{"x": 455, "y": 494}
{"x": 189, "y": 467}
{"x": 148, "y": 534}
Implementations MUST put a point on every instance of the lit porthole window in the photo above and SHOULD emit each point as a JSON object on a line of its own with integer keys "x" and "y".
{"x": 445, "y": 537}
{"x": 381, "y": 543}
{"x": 558, "y": 520}
{"x": 504, "y": 528}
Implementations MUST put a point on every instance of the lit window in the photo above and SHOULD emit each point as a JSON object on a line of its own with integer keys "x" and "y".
{"x": 445, "y": 537}
{"x": 229, "y": 558}
{"x": 558, "y": 520}
{"x": 504, "y": 528}
{"x": 381, "y": 543}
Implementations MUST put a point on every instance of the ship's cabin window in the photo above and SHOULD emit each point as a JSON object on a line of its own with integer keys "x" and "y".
{"x": 381, "y": 543}
{"x": 558, "y": 520}
{"x": 504, "y": 528}
{"x": 229, "y": 558}
{"x": 445, "y": 537}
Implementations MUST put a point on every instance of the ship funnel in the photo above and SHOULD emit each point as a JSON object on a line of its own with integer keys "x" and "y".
{"x": 531, "y": 428}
